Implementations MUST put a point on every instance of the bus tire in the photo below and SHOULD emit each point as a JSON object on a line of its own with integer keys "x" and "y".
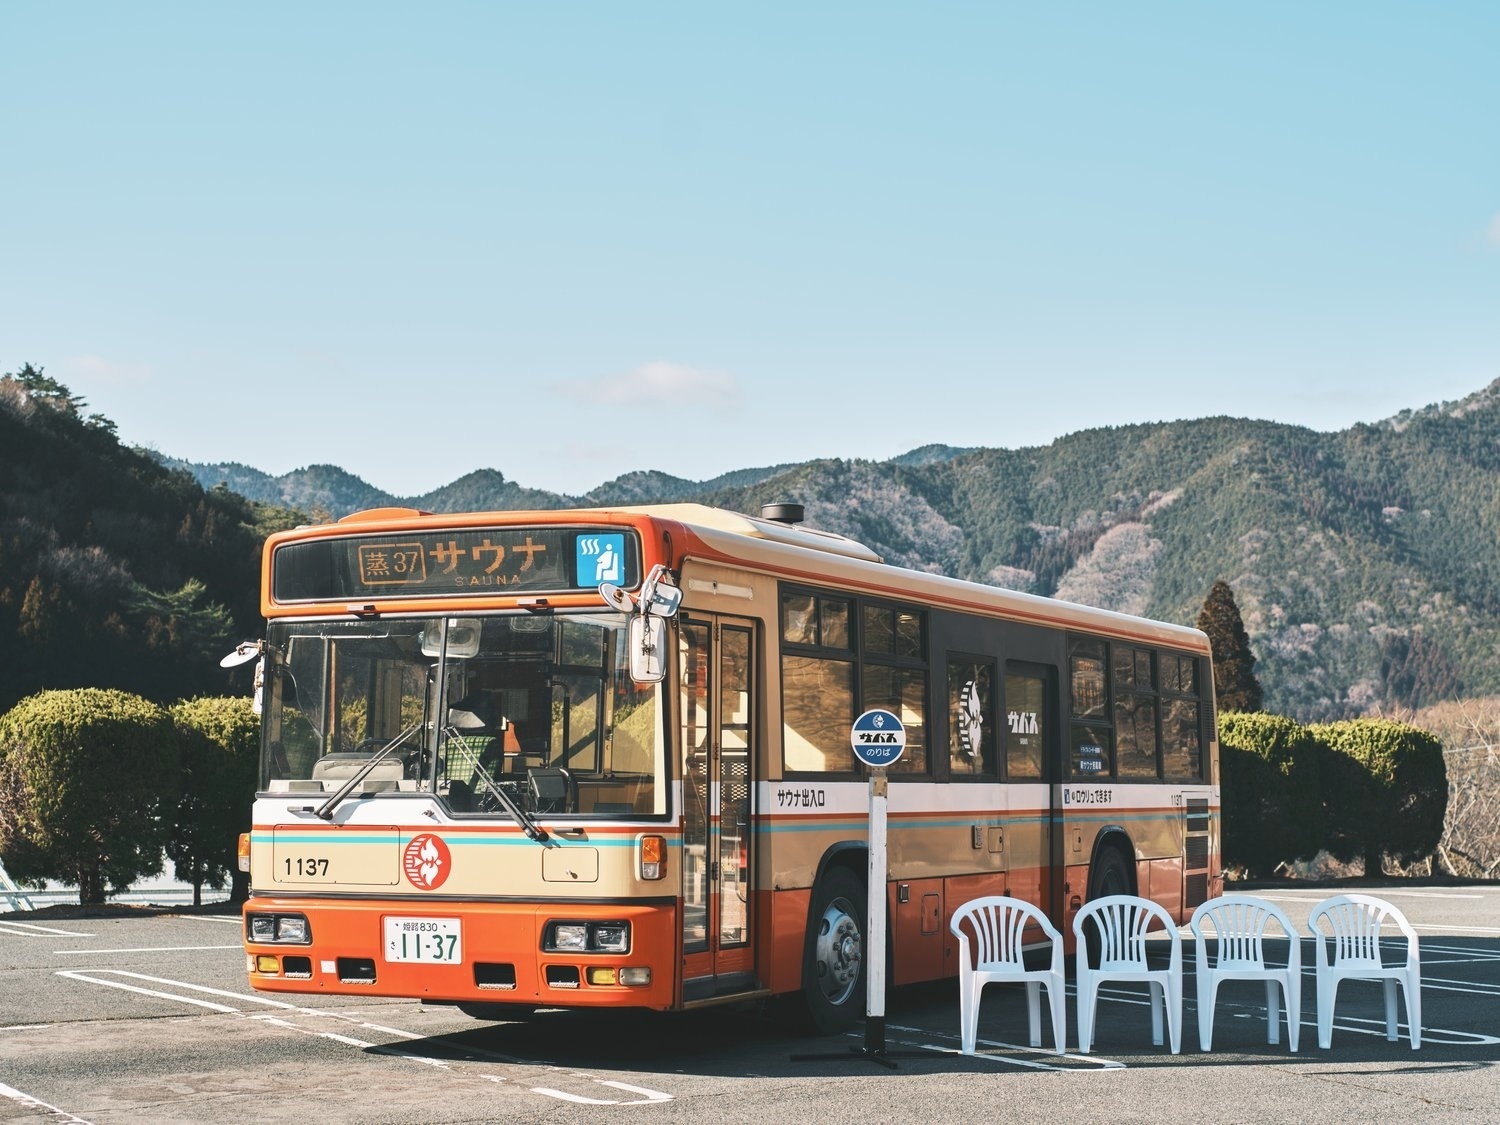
{"x": 833, "y": 966}
{"x": 1110, "y": 875}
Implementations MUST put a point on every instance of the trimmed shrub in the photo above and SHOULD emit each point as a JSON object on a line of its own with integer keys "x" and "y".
{"x": 1273, "y": 810}
{"x": 1385, "y": 790}
{"x": 85, "y": 778}
{"x": 219, "y": 741}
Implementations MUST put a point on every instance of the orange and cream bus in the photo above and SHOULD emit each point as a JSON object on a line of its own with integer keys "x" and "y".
{"x": 601, "y": 758}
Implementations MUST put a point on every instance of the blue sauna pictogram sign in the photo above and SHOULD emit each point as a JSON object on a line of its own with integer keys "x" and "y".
{"x": 878, "y": 738}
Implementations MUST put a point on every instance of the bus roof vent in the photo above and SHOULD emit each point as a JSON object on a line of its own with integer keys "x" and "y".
{"x": 788, "y": 514}
{"x": 382, "y": 514}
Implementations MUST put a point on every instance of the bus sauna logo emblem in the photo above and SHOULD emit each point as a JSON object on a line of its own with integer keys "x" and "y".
{"x": 426, "y": 862}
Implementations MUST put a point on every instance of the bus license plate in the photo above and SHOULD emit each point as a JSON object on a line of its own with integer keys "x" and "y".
{"x": 435, "y": 941}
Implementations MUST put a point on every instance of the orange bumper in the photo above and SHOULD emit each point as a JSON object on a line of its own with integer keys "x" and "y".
{"x": 498, "y": 958}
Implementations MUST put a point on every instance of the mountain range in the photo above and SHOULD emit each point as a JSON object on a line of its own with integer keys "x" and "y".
{"x": 1364, "y": 561}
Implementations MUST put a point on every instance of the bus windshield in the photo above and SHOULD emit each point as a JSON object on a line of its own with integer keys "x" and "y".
{"x": 537, "y": 708}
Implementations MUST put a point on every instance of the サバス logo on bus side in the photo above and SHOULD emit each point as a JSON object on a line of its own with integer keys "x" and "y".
{"x": 426, "y": 862}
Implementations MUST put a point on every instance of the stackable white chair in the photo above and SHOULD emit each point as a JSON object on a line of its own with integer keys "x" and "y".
{"x": 1240, "y": 923}
{"x": 1352, "y": 925}
{"x": 1122, "y": 922}
{"x": 996, "y": 953}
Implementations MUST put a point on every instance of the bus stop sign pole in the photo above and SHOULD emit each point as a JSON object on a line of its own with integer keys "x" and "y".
{"x": 878, "y": 739}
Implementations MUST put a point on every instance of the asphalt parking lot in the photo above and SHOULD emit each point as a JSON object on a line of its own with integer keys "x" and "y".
{"x": 146, "y": 1016}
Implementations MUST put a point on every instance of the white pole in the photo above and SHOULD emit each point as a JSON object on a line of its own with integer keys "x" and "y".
{"x": 875, "y": 893}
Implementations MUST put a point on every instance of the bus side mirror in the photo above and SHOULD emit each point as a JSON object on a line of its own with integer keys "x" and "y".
{"x": 648, "y": 649}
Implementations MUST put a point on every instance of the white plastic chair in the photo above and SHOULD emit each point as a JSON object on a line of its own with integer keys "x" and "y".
{"x": 1122, "y": 922}
{"x": 1240, "y": 924}
{"x": 999, "y": 924}
{"x": 1354, "y": 927}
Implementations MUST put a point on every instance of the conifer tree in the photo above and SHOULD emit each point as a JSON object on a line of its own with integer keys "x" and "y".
{"x": 1234, "y": 664}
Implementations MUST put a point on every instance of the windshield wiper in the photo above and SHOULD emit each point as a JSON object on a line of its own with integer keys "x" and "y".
{"x": 325, "y": 810}
{"x": 528, "y": 825}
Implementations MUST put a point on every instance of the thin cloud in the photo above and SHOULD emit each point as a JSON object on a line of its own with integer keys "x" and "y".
{"x": 1492, "y": 232}
{"x": 657, "y": 384}
{"x": 97, "y": 367}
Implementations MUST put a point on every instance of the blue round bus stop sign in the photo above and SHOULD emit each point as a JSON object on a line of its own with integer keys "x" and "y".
{"x": 878, "y": 738}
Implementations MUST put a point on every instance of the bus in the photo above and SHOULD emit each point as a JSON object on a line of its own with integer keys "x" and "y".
{"x": 602, "y": 758}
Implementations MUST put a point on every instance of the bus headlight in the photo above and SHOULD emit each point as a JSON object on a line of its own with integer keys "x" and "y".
{"x": 569, "y": 936}
{"x": 291, "y": 928}
{"x": 288, "y": 929}
{"x": 612, "y": 937}
{"x": 587, "y": 937}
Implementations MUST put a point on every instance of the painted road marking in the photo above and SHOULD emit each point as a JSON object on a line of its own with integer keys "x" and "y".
{"x": 28, "y": 929}
{"x": 1078, "y": 1064}
{"x": 148, "y": 949}
{"x": 96, "y": 976}
{"x": 26, "y": 1101}
{"x": 1292, "y": 894}
{"x": 651, "y": 1096}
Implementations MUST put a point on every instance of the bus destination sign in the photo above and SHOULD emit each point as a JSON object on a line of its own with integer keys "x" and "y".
{"x": 495, "y": 560}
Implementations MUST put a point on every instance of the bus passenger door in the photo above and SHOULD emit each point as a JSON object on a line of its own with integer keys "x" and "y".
{"x": 718, "y": 751}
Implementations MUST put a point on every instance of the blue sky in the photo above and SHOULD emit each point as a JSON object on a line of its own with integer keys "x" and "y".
{"x": 569, "y": 241}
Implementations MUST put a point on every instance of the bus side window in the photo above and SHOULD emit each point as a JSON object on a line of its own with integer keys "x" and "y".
{"x": 1091, "y": 739}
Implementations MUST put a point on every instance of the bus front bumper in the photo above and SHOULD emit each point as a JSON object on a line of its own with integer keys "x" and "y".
{"x": 553, "y": 954}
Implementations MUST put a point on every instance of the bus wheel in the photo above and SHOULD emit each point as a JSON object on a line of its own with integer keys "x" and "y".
{"x": 1110, "y": 876}
{"x": 833, "y": 969}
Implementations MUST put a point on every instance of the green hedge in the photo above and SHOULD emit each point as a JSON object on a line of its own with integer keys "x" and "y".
{"x": 219, "y": 741}
{"x": 87, "y": 779}
{"x": 1385, "y": 790}
{"x": 1273, "y": 812}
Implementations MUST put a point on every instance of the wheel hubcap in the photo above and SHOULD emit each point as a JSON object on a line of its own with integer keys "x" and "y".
{"x": 839, "y": 951}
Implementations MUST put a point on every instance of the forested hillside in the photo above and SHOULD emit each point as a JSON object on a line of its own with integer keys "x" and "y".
{"x": 115, "y": 571}
{"x": 1365, "y": 562}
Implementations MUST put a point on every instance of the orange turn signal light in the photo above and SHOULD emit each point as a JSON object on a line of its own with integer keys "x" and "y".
{"x": 653, "y": 852}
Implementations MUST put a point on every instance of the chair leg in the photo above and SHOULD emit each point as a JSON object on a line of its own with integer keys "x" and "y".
{"x": 1057, "y": 997}
{"x": 1158, "y": 999}
{"x": 1390, "y": 1008}
{"x": 1327, "y": 996}
{"x": 1085, "y": 1013}
{"x": 1273, "y": 1012}
{"x": 1293, "y": 1010}
{"x": 1208, "y": 995}
{"x": 1413, "y": 988}
{"x": 1034, "y": 1012}
{"x": 1174, "y": 1013}
{"x": 968, "y": 1018}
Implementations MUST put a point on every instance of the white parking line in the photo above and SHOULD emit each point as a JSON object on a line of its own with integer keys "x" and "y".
{"x": 1292, "y": 894}
{"x": 148, "y": 949}
{"x": 86, "y": 978}
{"x": 652, "y": 1097}
{"x": 28, "y": 929}
{"x": 97, "y": 976}
{"x": 26, "y": 1101}
{"x": 1084, "y": 1062}
{"x": 233, "y": 920}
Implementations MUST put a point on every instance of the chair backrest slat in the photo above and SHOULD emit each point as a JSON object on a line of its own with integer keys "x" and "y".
{"x": 1354, "y": 927}
{"x": 1241, "y": 925}
{"x": 998, "y": 927}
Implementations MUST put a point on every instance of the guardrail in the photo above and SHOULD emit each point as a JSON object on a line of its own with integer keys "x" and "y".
{"x": 19, "y": 899}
